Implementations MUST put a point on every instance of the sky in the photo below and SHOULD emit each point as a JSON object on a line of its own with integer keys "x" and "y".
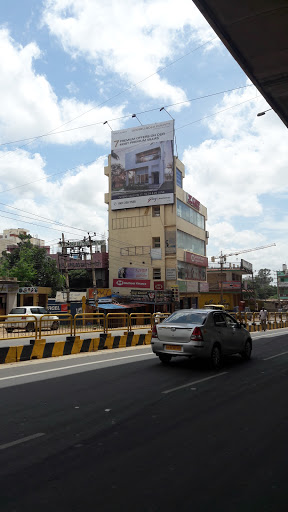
{"x": 67, "y": 66}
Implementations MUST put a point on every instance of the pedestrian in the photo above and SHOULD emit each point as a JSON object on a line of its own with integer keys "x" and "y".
{"x": 263, "y": 314}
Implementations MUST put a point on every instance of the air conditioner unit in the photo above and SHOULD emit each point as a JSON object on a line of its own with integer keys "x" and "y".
{"x": 207, "y": 234}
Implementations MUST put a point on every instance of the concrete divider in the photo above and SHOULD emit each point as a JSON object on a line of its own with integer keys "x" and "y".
{"x": 73, "y": 345}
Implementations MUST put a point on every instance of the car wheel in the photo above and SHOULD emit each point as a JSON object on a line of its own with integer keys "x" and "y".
{"x": 30, "y": 327}
{"x": 55, "y": 325}
{"x": 246, "y": 354}
{"x": 165, "y": 358}
{"x": 216, "y": 359}
{"x": 9, "y": 329}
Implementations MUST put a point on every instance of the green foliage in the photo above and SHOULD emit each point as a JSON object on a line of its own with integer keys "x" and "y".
{"x": 80, "y": 279}
{"x": 262, "y": 286}
{"x": 31, "y": 265}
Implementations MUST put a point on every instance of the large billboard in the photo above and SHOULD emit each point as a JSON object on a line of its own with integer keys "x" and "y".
{"x": 142, "y": 169}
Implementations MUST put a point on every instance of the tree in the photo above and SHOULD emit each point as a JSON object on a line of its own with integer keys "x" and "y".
{"x": 262, "y": 286}
{"x": 31, "y": 265}
{"x": 80, "y": 279}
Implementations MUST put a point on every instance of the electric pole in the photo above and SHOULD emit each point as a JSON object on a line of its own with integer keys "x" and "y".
{"x": 65, "y": 255}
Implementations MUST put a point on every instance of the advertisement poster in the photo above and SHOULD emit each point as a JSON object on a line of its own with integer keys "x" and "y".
{"x": 142, "y": 172}
{"x": 133, "y": 273}
{"x": 170, "y": 241}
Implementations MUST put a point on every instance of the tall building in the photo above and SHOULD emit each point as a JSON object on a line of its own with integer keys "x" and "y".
{"x": 157, "y": 231}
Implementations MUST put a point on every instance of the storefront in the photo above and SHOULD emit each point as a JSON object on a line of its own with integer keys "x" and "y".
{"x": 8, "y": 295}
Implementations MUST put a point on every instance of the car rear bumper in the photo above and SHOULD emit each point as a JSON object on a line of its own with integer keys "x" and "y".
{"x": 192, "y": 348}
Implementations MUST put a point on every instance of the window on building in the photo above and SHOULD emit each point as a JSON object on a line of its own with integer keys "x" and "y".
{"x": 156, "y": 273}
{"x": 190, "y": 243}
{"x": 178, "y": 178}
{"x": 185, "y": 212}
{"x": 155, "y": 211}
{"x": 156, "y": 242}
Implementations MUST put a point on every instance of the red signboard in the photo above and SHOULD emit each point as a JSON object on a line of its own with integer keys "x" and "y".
{"x": 195, "y": 259}
{"x": 158, "y": 285}
{"x": 193, "y": 202}
{"x": 231, "y": 285}
{"x": 131, "y": 283}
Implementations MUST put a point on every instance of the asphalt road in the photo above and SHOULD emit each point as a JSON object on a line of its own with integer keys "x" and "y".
{"x": 120, "y": 431}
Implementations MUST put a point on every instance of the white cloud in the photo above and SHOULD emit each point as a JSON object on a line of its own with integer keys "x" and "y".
{"x": 28, "y": 104}
{"x": 133, "y": 39}
{"x": 236, "y": 172}
{"x": 75, "y": 199}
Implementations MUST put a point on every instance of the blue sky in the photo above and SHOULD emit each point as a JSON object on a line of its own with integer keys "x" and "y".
{"x": 67, "y": 59}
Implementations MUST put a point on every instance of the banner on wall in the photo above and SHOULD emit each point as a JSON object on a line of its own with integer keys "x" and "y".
{"x": 133, "y": 273}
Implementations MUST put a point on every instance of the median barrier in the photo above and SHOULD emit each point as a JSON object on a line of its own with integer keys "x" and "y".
{"x": 73, "y": 345}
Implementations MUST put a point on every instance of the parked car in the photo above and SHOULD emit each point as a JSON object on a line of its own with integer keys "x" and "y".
{"x": 202, "y": 333}
{"x": 24, "y": 313}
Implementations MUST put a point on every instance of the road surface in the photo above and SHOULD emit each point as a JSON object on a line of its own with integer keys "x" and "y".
{"x": 120, "y": 431}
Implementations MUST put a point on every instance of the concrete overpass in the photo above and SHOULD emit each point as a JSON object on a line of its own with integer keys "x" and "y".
{"x": 256, "y": 34}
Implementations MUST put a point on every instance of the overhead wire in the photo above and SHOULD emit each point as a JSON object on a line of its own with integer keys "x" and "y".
{"x": 127, "y": 89}
{"x": 128, "y": 116}
{"x": 93, "y": 161}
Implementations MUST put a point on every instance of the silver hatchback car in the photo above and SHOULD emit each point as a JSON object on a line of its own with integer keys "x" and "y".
{"x": 202, "y": 333}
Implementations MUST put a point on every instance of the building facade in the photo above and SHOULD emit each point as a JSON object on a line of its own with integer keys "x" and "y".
{"x": 157, "y": 231}
{"x": 10, "y": 238}
{"x": 282, "y": 283}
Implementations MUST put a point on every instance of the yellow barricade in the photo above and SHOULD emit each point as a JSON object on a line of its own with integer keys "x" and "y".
{"x": 18, "y": 326}
{"x": 117, "y": 321}
{"x": 52, "y": 324}
{"x": 140, "y": 321}
{"x": 89, "y": 322}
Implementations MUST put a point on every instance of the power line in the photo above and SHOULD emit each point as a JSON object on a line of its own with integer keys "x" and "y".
{"x": 127, "y": 89}
{"x": 39, "y": 225}
{"x": 40, "y": 217}
{"x": 89, "y": 163}
{"x": 128, "y": 116}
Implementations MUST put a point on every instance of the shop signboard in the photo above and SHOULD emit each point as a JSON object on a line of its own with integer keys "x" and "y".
{"x": 192, "y": 286}
{"x": 142, "y": 166}
{"x": 233, "y": 285}
{"x": 158, "y": 285}
{"x": 28, "y": 289}
{"x": 131, "y": 283}
{"x": 195, "y": 259}
{"x": 171, "y": 274}
{"x": 204, "y": 287}
{"x": 192, "y": 202}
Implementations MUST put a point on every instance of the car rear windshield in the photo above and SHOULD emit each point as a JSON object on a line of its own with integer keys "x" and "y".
{"x": 18, "y": 311}
{"x": 186, "y": 318}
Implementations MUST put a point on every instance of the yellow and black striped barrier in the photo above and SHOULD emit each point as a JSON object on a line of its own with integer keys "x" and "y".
{"x": 40, "y": 349}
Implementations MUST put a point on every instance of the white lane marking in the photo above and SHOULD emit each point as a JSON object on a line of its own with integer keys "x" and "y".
{"x": 74, "y": 366}
{"x": 276, "y": 355}
{"x": 193, "y": 383}
{"x": 23, "y": 440}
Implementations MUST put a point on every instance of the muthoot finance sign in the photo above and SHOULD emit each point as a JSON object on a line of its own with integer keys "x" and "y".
{"x": 142, "y": 172}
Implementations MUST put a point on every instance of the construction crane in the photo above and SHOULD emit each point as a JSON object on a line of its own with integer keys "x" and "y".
{"x": 222, "y": 259}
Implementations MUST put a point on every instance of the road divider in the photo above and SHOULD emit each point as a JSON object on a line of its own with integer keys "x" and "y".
{"x": 73, "y": 345}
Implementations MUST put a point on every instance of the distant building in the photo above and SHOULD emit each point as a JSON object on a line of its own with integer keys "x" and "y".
{"x": 282, "y": 283}
{"x": 10, "y": 238}
{"x": 99, "y": 263}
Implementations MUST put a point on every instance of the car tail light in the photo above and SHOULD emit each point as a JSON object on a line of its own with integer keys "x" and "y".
{"x": 154, "y": 332}
{"x": 196, "y": 334}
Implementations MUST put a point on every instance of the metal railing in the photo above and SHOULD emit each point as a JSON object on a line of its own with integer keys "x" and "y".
{"x": 50, "y": 324}
{"x": 64, "y": 324}
{"x": 89, "y": 322}
{"x": 18, "y": 326}
{"x": 116, "y": 321}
